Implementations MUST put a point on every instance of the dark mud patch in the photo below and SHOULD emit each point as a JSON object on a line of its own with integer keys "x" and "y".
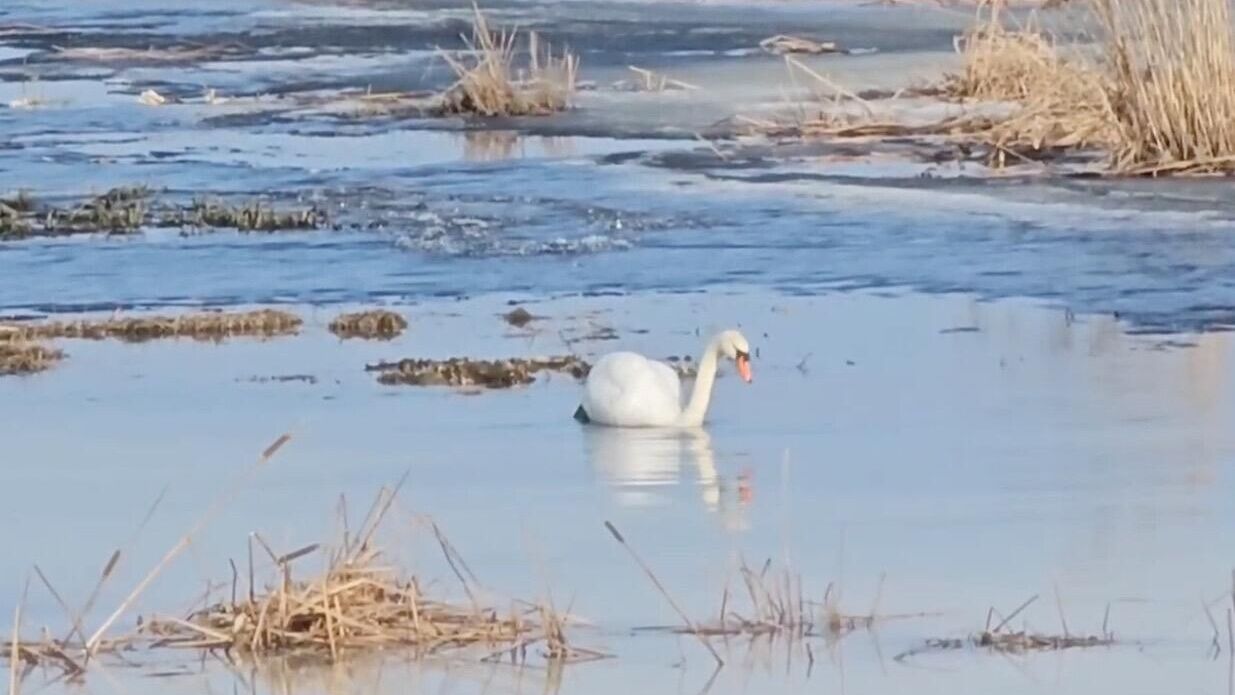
{"x": 206, "y": 326}
{"x": 284, "y": 379}
{"x": 1011, "y": 643}
{"x": 126, "y": 209}
{"x": 378, "y": 324}
{"x": 20, "y": 357}
{"x": 519, "y": 317}
{"x": 467, "y": 372}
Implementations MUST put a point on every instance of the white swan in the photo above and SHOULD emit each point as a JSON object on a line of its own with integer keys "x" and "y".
{"x": 626, "y": 389}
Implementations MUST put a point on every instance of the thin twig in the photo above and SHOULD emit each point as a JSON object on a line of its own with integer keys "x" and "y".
{"x": 656, "y": 582}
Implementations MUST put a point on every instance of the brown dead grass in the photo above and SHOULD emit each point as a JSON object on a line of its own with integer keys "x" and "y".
{"x": 500, "y": 79}
{"x": 467, "y": 372}
{"x": 1158, "y": 93}
{"x": 1154, "y": 90}
{"x": 22, "y": 357}
{"x": 377, "y": 324}
{"x": 1171, "y": 84}
{"x": 208, "y": 325}
{"x": 361, "y": 602}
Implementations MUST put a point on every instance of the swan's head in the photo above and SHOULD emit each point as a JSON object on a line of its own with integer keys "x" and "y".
{"x": 735, "y": 346}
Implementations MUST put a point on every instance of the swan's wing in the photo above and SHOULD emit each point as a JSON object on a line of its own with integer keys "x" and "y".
{"x": 670, "y": 381}
{"x": 624, "y": 388}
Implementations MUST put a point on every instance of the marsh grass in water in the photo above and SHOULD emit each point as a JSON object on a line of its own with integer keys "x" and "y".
{"x": 23, "y": 357}
{"x": 126, "y": 209}
{"x": 360, "y": 602}
{"x": 248, "y": 217}
{"x": 1146, "y": 85}
{"x": 206, "y": 325}
{"x": 377, "y": 324}
{"x": 1156, "y": 90}
{"x": 1004, "y": 640}
{"x": 496, "y": 77}
{"x": 467, "y": 372}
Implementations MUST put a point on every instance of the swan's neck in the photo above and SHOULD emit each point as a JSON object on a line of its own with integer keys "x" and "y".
{"x": 697, "y": 408}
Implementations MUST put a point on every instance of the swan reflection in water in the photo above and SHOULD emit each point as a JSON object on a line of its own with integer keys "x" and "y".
{"x": 639, "y": 464}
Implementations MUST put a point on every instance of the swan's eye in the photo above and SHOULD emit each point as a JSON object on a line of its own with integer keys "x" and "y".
{"x": 742, "y": 355}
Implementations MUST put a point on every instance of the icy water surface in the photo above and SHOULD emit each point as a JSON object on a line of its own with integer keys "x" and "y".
{"x": 618, "y": 193}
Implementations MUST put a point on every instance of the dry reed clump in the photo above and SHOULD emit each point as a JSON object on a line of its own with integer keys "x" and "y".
{"x": 378, "y": 324}
{"x": 467, "y": 372}
{"x": 209, "y": 325}
{"x": 1058, "y": 91}
{"x": 1154, "y": 91}
{"x": 1158, "y": 95}
{"x": 1171, "y": 84}
{"x": 497, "y": 83}
{"x": 21, "y": 357}
{"x": 359, "y": 603}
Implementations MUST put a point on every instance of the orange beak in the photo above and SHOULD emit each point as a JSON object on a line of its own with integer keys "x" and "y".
{"x": 744, "y": 368}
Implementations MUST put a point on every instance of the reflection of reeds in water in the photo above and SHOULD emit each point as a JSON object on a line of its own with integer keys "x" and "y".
{"x": 490, "y": 145}
{"x": 502, "y": 145}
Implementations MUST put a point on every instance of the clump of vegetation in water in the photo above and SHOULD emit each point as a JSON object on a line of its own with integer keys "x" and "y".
{"x": 491, "y": 84}
{"x": 126, "y": 209}
{"x": 206, "y": 325}
{"x": 1006, "y": 641}
{"x": 251, "y": 217}
{"x": 21, "y": 357}
{"x": 359, "y": 602}
{"x": 1154, "y": 93}
{"x": 378, "y": 324}
{"x": 466, "y": 372}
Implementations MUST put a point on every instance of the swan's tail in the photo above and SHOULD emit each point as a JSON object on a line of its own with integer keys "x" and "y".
{"x": 581, "y": 415}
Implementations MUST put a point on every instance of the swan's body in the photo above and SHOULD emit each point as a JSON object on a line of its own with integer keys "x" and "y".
{"x": 626, "y": 389}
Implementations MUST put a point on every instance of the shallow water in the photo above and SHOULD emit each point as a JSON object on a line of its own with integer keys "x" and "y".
{"x": 972, "y": 453}
{"x": 979, "y": 388}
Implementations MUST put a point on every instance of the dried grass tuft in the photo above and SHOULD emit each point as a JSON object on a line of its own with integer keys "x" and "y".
{"x": 360, "y": 603}
{"x": 497, "y": 82}
{"x": 378, "y": 324}
{"x": 21, "y": 357}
